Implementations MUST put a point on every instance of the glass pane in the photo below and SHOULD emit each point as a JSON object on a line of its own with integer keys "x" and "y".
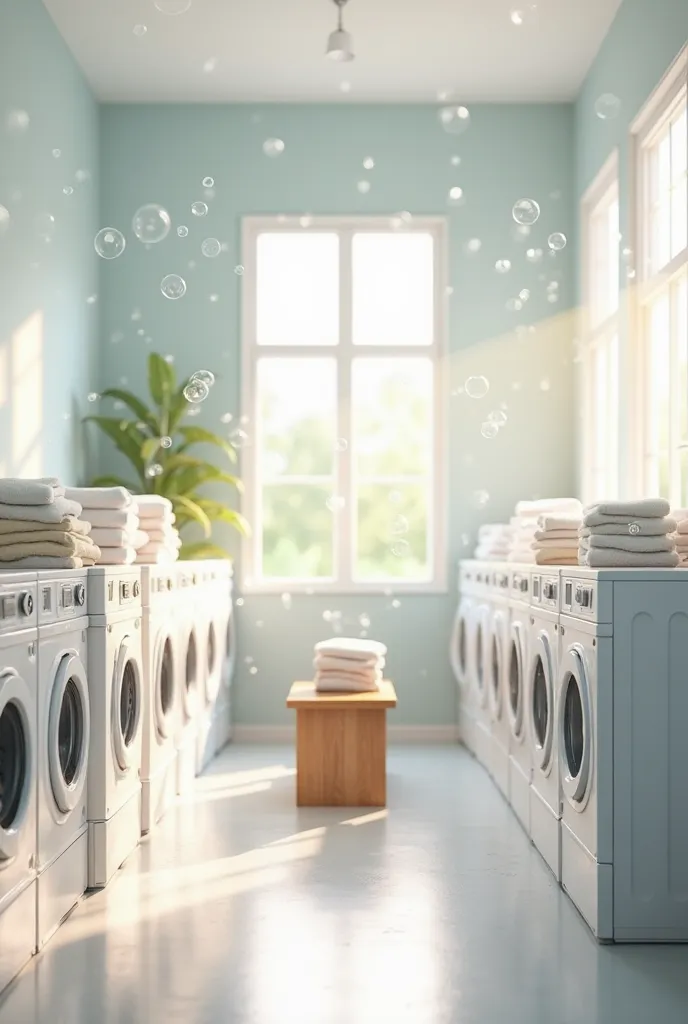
{"x": 658, "y": 396}
{"x": 297, "y": 532}
{"x": 679, "y": 217}
{"x": 297, "y": 289}
{"x": 393, "y": 289}
{"x": 683, "y": 477}
{"x": 297, "y": 416}
{"x": 681, "y": 328}
{"x": 392, "y": 416}
{"x": 392, "y": 532}
{"x": 679, "y": 147}
{"x": 604, "y": 261}
{"x": 660, "y": 217}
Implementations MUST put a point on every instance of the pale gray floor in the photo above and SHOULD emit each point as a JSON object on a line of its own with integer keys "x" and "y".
{"x": 241, "y": 908}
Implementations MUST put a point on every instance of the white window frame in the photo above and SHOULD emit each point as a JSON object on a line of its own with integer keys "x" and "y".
{"x": 344, "y": 353}
{"x": 670, "y": 94}
{"x": 594, "y": 337}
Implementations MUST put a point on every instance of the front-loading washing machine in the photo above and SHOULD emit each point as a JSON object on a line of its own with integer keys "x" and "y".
{"x": 480, "y": 646}
{"x": 193, "y": 636}
{"x": 115, "y": 681}
{"x": 542, "y": 733}
{"x": 223, "y": 715}
{"x": 162, "y": 690}
{"x": 64, "y": 728}
{"x": 520, "y": 764}
{"x": 461, "y": 654}
{"x": 622, "y": 721}
{"x": 496, "y": 660}
{"x": 217, "y": 600}
{"x": 18, "y": 789}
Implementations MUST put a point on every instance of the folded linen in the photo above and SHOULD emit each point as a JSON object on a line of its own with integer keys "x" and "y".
{"x": 100, "y": 497}
{"x": 609, "y": 542}
{"x": 52, "y": 513}
{"x": 545, "y": 506}
{"x": 556, "y": 556}
{"x": 327, "y": 662}
{"x": 152, "y": 504}
{"x": 682, "y": 526}
{"x": 140, "y": 539}
{"x": 161, "y": 557}
{"x": 72, "y": 543}
{"x": 358, "y": 649}
{"x": 620, "y": 527}
{"x": 80, "y": 547}
{"x": 599, "y": 558}
{"x": 39, "y": 491}
{"x": 339, "y": 684}
{"x": 112, "y": 518}
{"x": 567, "y": 541}
{"x": 117, "y": 556}
{"x": 112, "y": 536}
{"x": 554, "y": 522}
{"x": 152, "y": 548}
{"x": 70, "y": 524}
{"x": 648, "y": 508}
{"x": 158, "y": 536}
{"x": 46, "y": 562}
{"x": 367, "y": 676}
{"x": 545, "y": 535}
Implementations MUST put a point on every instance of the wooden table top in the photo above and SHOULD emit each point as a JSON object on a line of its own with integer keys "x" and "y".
{"x": 304, "y": 695}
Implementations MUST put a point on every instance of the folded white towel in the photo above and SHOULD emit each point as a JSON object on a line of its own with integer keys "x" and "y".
{"x": 150, "y": 503}
{"x": 545, "y": 506}
{"x": 553, "y": 522}
{"x": 112, "y": 536}
{"x": 627, "y": 543}
{"x": 648, "y": 508}
{"x": 366, "y": 675}
{"x": 621, "y": 526}
{"x": 158, "y": 534}
{"x": 679, "y": 514}
{"x": 117, "y": 556}
{"x": 140, "y": 539}
{"x": 100, "y": 497}
{"x": 52, "y": 513}
{"x": 112, "y": 518}
{"x": 328, "y": 662}
{"x": 352, "y": 647}
{"x": 340, "y": 684}
{"x": 598, "y": 558}
{"x": 161, "y": 557}
{"x": 39, "y": 491}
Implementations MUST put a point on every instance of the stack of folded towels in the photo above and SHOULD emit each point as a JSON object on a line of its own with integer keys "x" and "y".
{"x": 157, "y": 520}
{"x": 111, "y": 511}
{"x": 348, "y": 665}
{"x": 40, "y": 527}
{"x": 627, "y": 534}
{"x": 680, "y": 516}
{"x": 494, "y": 542}
{"x": 546, "y": 531}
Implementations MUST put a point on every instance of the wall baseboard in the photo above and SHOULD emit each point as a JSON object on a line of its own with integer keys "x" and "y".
{"x": 429, "y": 734}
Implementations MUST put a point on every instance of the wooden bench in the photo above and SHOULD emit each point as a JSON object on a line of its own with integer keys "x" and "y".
{"x": 341, "y": 746}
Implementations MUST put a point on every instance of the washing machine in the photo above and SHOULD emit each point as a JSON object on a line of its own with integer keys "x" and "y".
{"x": 64, "y": 729}
{"x": 461, "y": 655}
{"x": 496, "y": 660}
{"x": 162, "y": 689}
{"x": 18, "y": 789}
{"x": 622, "y": 722}
{"x": 223, "y": 716}
{"x": 480, "y": 647}
{"x": 115, "y": 682}
{"x": 192, "y": 622}
{"x": 542, "y": 733}
{"x": 520, "y": 763}
{"x": 217, "y": 600}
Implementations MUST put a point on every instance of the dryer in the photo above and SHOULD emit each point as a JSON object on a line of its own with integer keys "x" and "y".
{"x": 496, "y": 661}
{"x": 217, "y": 591}
{"x": 461, "y": 655}
{"x": 542, "y": 733}
{"x": 193, "y": 633}
{"x": 18, "y": 789}
{"x": 162, "y": 688}
{"x": 115, "y": 679}
{"x": 64, "y": 721}
{"x": 520, "y": 764}
{"x": 622, "y": 722}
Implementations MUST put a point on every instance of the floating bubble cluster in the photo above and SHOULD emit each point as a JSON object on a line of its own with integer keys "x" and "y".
{"x": 206, "y": 376}
{"x": 196, "y": 391}
{"x": 455, "y": 120}
{"x": 503, "y": 266}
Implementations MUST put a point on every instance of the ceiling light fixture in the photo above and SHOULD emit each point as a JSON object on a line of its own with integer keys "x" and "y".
{"x": 340, "y": 43}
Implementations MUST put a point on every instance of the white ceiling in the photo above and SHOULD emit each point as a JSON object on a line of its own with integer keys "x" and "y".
{"x": 265, "y": 50}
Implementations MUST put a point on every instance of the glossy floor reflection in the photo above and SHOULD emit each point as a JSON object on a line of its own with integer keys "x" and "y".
{"x": 242, "y": 909}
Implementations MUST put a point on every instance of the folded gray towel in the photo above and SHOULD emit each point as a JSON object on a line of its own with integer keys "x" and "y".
{"x": 649, "y": 508}
{"x": 597, "y": 558}
{"x": 619, "y": 525}
{"x": 628, "y": 543}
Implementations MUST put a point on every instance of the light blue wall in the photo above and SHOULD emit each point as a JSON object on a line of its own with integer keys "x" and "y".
{"x": 47, "y": 328}
{"x": 160, "y": 154}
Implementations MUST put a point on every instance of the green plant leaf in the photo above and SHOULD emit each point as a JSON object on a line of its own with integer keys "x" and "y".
{"x": 125, "y": 436}
{"x": 115, "y": 481}
{"x": 217, "y": 512}
{"x": 139, "y": 408}
{"x": 199, "y": 435}
{"x": 187, "y": 509}
{"x": 203, "y": 549}
{"x": 149, "y": 448}
{"x": 178, "y": 407}
{"x": 162, "y": 382}
{"x": 192, "y": 478}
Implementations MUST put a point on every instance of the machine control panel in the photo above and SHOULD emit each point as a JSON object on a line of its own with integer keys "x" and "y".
{"x": 520, "y": 585}
{"x": 17, "y": 607}
{"x": 579, "y": 598}
{"x": 501, "y": 580}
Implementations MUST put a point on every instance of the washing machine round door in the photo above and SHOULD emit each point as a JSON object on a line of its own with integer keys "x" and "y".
{"x": 69, "y": 732}
{"x": 541, "y": 701}
{"x": 515, "y": 679}
{"x": 459, "y": 649}
{"x": 190, "y": 688}
{"x": 126, "y": 704}
{"x": 15, "y": 761}
{"x": 213, "y": 668}
{"x": 481, "y": 625}
{"x": 229, "y": 662}
{"x": 575, "y": 728}
{"x": 495, "y": 665}
{"x": 164, "y": 693}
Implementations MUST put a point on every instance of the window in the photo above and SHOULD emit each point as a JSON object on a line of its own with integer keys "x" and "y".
{"x": 343, "y": 335}
{"x": 600, "y": 351}
{"x": 661, "y": 150}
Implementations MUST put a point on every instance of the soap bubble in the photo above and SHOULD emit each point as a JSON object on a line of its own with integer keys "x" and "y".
{"x": 481, "y": 498}
{"x": 208, "y": 182}
{"x": 607, "y": 106}
{"x": 368, "y": 163}
{"x": 91, "y": 300}
{"x": 514, "y": 305}
{"x": 57, "y": 153}
{"x": 364, "y": 620}
{"x": 533, "y": 255}
{"x": 489, "y": 430}
{"x": 240, "y": 602}
{"x": 165, "y": 442}
{"x": 173, "y": 286}
{"x": 226, "y": 417}
{"x": 196, "y": 391}
{"x": 524, "y": 294}
{"x": 151, "y": 223}
{"x": 182, "y": 231}
{"x": 456, "y": 196}
{"x": 497, "y": 416}
{"x": 395, "y": 497}
{"x": 253, "y": 670}
{"x": 238, "y": 438}
{"x": 214, "y": 297}
{"x": 45, "y": 226}
{"x": 141, "y": 332}
{"x": 4, "y": 219}
{"x": 556, "y": 241}
{"x": 477, "y": 387}
{"x": 206, "y": 376}
{"x": 155, "y": 469}
{"x": 633, "y": 528}
{"x": 82, "y": 176}
{"x": 455, "y": 160}
{"x": 17, "y": 121}
{"x": 553, "y": 297}
{"x": 169, "y": 359}
{"x": 525, "y": 211}
{"x": 68, "y": 190}
{"x": 273, "y": 147}
{"x": 140, "y": 31}
{"x": 239, "y": 269}
{"x": 363, "y": 187}
{"x": 211, "y": 247}
{"x": 341, "y": 444}
{"x": 286, "y": 601}
{"x": 248, "y": 660}
{"x": 199, "y": 209}
{"x": 109, "y": 243}
{"x": 454, "y": 120}
{"x": 400, "y": 526}
{"x": 474, "y": 245}
{"x": 335, "y": 503}
{"x": 172, "y": 6}
{"x": 396, "y": 603}
{"x": 93, "y": 396}
{"x": 400, "y": 548}
{"x": 503, "y": 266}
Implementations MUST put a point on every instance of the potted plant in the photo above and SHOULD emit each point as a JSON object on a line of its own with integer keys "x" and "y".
{"x": 157, "y": 444}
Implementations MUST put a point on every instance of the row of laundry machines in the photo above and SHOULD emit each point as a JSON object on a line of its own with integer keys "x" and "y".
{"x": 573, "y": 694}
{"x": 115, "y": 688}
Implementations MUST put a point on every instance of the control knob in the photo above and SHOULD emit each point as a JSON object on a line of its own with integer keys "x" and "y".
{"x": 79, "y": 594}
{"x": 26, "y": 603}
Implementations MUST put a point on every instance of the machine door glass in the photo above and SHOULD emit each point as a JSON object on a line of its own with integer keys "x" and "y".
{"x": 15, "y": 761}
{"x": 164, "y": 686}
{"x": 68, "y": 732}
{"x": 230, "y": 649}
{"x": 126, "y": 705}
{"x": 458, "y": 644}
{"x": 542, "y": 703}
{"x": 191, "y": 675}
{"x": 495, "y": 666}
{"x": 212, "y": 682}
{"x": 515, "y": 682}
{"x": 575, "y": 728}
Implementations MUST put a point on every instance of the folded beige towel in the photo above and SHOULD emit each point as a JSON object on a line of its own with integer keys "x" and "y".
{"x": 621, "y": 527}
{"x": 555, "y": 534}
{"x": 70, "y": 524}
{"x": 647, "y": 508}
{"x": 47, "y": 562}
{"x": 52, "y": 513}
{"x": 553, "y": 522}
{"x": 117, "y": 556}
{"x": 100, "y": 497}
{"x": 569, "y": 540}
{"x": 599, "y": 558}
{"x": 626, "y": 543}
{"x": 113, "y": 518}
{"x": 556, "y": 556}
{"x": 682, "y": 526}
{"x": 67, "y": 544}
{"x": 72, "y": 543}
{"x": 38, "y": 491}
